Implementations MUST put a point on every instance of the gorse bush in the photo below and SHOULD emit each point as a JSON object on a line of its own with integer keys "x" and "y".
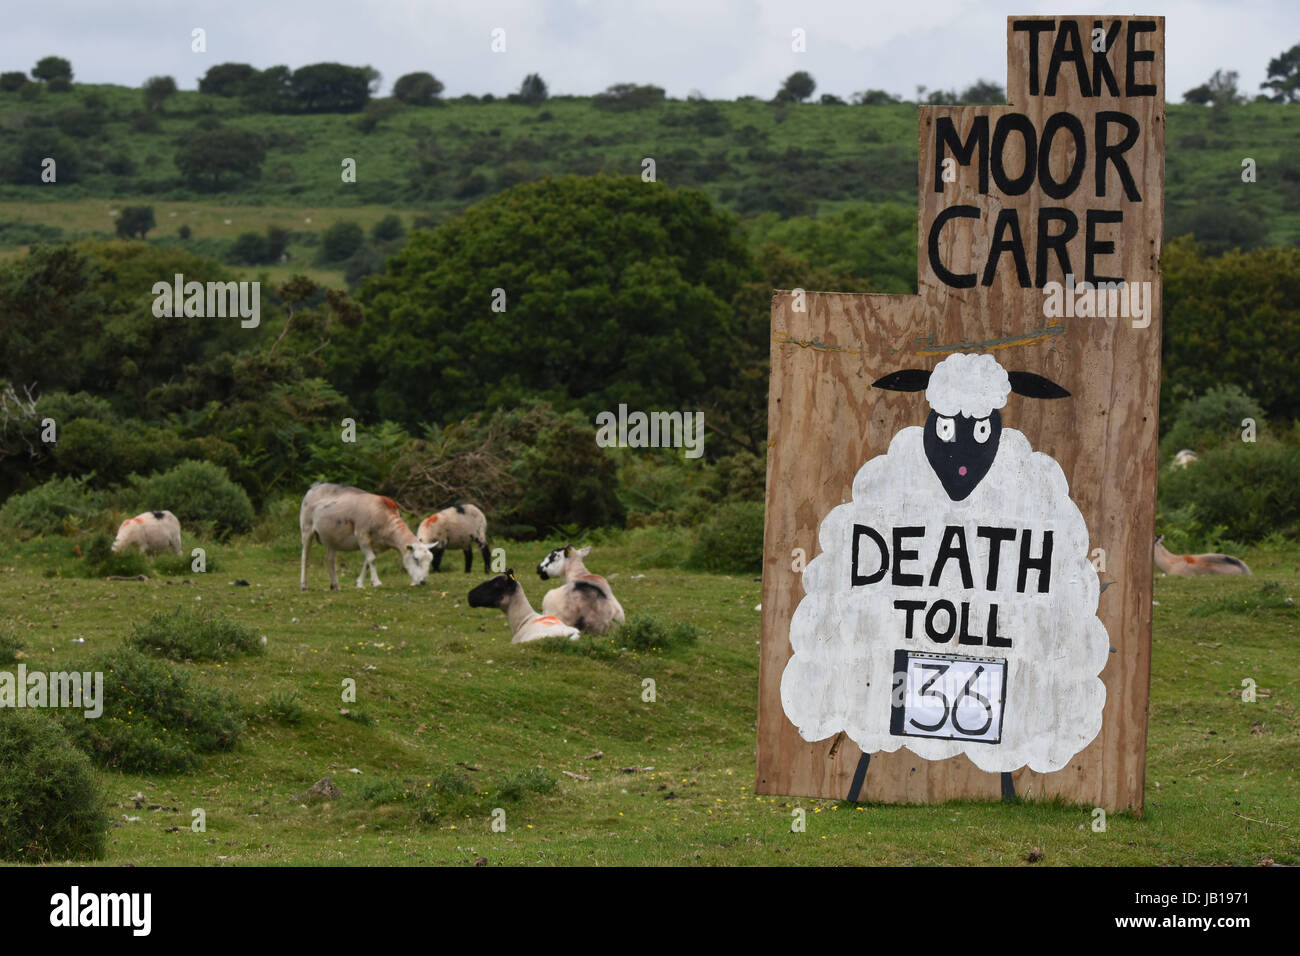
{"x": 46, "y": 509}
{"x": 188, "y": 634}
{"x": 50, "y": 805}
{"x": 731, "y": 541}
{"x": 156, "y": 719}
{"x": 197, "y": 491}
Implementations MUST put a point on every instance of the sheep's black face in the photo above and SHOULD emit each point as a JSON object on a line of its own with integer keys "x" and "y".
{"x": 492, "y": 593}
{"x": 961, "y": 450}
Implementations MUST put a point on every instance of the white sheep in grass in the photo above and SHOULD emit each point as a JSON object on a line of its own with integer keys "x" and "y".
{"x": 151, "y": 531}
{"x": 506, "y": 593}
{"x": 959, "y": 519}
{"x": 1183, "y": 459}
{"x": 585, "y": 600}
{"x": 461, "y": 527}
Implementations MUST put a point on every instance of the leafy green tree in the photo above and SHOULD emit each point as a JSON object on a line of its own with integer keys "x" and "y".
{"x": 1232, "y": 320}
{"x": 417, "y": 89}
{"x": 623, "y": 97}
{"x": 875, "y": 98}
{"x": 1219, "y": 90}
{"x": 614, "y": 291}
{"x": 226, "y": 79}
{"x": 329, "y": 88}
{"x": 211, "y": 159}
{"x": 1284, "y": 76}
{"x": 983, "y": 93}
{"x": 340, "y": 241}
{"x": 135, "y": 221}
{"x": 12, "y": 81}
{"x": 533, "y": 90}
{"x": 23, "y": 164}
{"x": 156, "y": 90}
{"x": 52, "y": 68}
{"x": 268, "y": 91}
{"x": 388, "y": 228}
{"x": 248, "y": 249}
{"x": 797, "y": 87}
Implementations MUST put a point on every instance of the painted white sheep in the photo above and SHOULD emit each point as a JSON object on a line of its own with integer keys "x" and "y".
{"x": 1188, "y": 564}
{"x": 1183, "y": 459}
{"x": 585, "y": 600}
{"x": 461, "y": 527}
{"x": 506, "y": 593}
{"x": 952, "y": 608}
{"x": 153, "y": 532}
{"x": 349, "y": 519}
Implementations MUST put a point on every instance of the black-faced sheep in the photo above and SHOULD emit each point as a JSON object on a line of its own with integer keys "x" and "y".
{"x": 1188, "y": 564}
{"x": 462, "y": 527}
{"x": 153, "y": 532}
{"x": 343, "y": 518}
{"x": 585, "y": 600}
{"x": 506, "y": 593}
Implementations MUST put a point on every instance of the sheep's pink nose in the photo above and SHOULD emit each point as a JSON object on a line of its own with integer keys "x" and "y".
{"x": 962, "y": 471}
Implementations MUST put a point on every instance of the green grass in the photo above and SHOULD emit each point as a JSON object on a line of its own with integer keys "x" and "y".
{"x": 445, "y": 691}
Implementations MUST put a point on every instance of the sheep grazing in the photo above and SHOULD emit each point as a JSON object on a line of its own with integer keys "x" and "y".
{"x": 153, "y": 532}
{"x": 952, "y": 607}
{"x": 1186, "y": 564}
{"x": 506, "y": 593}
{"x": 1183, "y": 459}
{"x": 349, "y": 519}
{"x": 585, "y": 600}
{"x": 462, "y": 527}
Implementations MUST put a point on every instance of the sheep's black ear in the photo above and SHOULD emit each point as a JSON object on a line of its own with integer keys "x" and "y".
{"x": 1035, "y": 386}
{"x": 904, "y": 380}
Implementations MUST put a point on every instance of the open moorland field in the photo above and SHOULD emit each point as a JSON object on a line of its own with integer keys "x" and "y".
{"x": 440, "y": 689}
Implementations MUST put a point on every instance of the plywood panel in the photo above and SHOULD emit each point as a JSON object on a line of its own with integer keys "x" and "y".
{"x": 825, "y": 419}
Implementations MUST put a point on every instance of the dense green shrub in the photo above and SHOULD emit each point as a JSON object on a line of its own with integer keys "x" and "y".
{"x": 197, "y": 491}
{"x": 51, "y": 807}
{"x": 340, "y": 241}
{"x": 566, "y": 478}
{"x": 156, "y": 719}
{"x": 1243, "y": 491}
{"x": 1209, "y": 419}
{"x": 48, "y": 508}
{"x": 731, "y": 541}
{"x": 99, "y": 561}
{"x": 189, "y": 634}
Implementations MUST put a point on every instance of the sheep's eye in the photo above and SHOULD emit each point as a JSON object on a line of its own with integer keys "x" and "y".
{"x": 946, "y": 429}
{"x": 982, "y": 430}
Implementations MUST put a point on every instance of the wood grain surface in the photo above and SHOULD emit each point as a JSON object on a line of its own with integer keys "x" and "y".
{"x": 825, "y": 419}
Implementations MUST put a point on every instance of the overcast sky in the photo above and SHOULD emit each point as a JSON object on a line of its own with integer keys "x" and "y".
{"x": 723, "y": 48}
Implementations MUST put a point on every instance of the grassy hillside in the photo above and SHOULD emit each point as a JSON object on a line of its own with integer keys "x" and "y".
{"x": 442, "y": 694}
{"x": 751, "y": 156}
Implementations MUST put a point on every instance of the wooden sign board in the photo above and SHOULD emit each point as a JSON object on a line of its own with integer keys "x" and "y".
{"x": 1009, "y": 410}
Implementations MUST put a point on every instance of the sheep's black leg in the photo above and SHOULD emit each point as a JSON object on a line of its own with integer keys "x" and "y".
{"x": 1008, "y": 788}
{"x": 487, "y": 559}
{"x": 437, "y": 559}
{"x": 859, "y": 778}
{"x": 469, "y": 560}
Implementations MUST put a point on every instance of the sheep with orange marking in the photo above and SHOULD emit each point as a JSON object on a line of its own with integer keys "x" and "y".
{"x": 153, "y": 532}
{"x": 343, "y": 518}
{"x": 506, "y": 593}
{"x": 585, "y": 600}
{"x": 1183, "y": 565}
{"x": 461, "y": 527}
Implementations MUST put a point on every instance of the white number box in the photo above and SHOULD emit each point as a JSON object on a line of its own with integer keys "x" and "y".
{"x": 956, "y": 698}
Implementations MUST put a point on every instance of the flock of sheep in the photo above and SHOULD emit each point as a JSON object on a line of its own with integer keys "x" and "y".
{"x": 348, "y": 519}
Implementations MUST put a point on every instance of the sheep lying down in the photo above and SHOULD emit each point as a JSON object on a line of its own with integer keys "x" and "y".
{"x": 153, "y": 532}
{"x": 506, "y": 593}
{"x": 585, "y": 600}
{"x": 952, "y": 607}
